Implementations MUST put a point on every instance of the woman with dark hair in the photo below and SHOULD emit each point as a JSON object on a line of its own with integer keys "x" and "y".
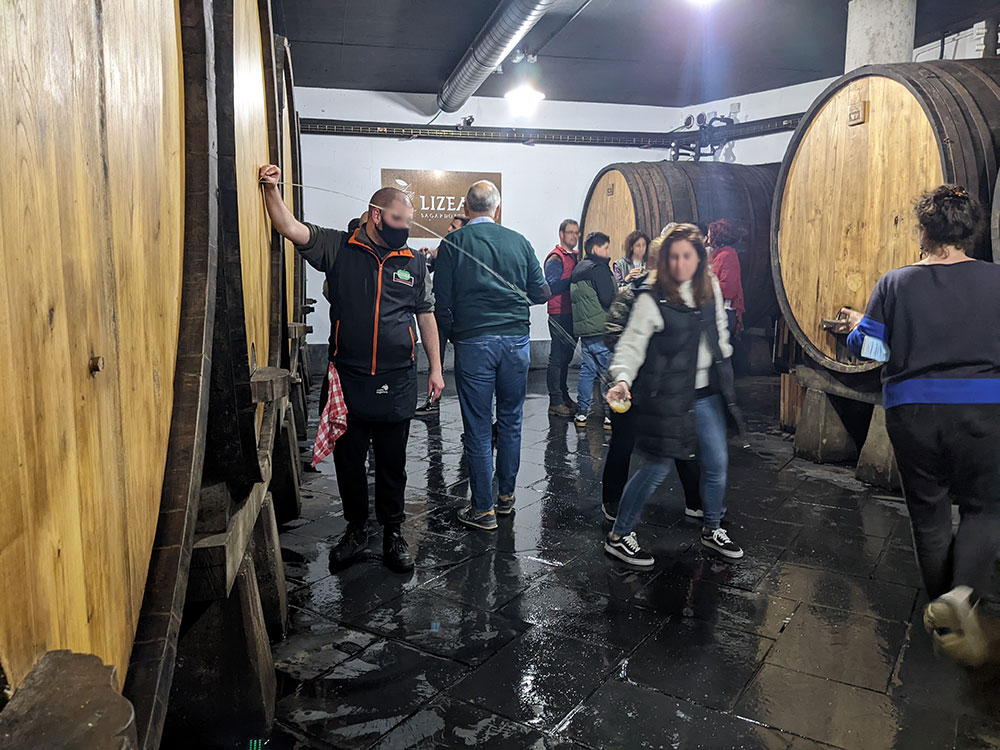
{"x": 674, "y": 354}
{"x": 934, "y": 325}
{"x": 632, "y": 264}
{"x": 722, "y": 235}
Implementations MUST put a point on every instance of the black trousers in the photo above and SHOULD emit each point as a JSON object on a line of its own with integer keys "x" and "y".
{"x": 951, "y": 453}
{"x": 561, "y": 350}
{"x": 620, "y": 456}
{"x": 389, "y": 442}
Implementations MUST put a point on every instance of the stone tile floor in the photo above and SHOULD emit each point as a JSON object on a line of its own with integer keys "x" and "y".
{"x": 532, "y": 638}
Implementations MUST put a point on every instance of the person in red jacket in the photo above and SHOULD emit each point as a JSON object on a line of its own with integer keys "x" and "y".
{"x": 559, "y": 265}
{"x": 726, "y": 267}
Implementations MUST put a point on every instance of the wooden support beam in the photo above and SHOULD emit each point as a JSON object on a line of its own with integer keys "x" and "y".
{"x": 269, "y": 384}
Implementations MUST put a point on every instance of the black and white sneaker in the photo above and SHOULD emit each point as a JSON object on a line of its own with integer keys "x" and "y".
{"x": 610, "y": 511}
{"x": 719, "y": 540}
{"x": 627, "y": 550}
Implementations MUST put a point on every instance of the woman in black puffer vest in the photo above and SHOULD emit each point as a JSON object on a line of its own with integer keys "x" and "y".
{"x": 674, "y": 355}
{"x": 616, "y": 463}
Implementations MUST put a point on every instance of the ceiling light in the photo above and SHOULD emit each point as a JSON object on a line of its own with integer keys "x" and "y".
{"x": 523, "y": 100}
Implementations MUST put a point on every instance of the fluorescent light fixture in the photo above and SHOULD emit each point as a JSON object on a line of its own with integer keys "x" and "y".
{"x": 523, "y": 100}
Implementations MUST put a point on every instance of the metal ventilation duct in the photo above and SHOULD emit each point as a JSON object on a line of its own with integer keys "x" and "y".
{"x": 509, "y": 23}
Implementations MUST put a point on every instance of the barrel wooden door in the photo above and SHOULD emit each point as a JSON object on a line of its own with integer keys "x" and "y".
{"x": 92, "y": 223}
{"x": 867, "y": 149}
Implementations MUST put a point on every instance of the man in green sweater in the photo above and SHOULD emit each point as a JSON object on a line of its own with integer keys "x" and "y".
{"x": 486, "y": 279}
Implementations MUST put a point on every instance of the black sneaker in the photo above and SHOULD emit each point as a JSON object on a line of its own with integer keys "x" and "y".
{"x": 430, "y": 409}
{"x": 350, "y": 547}
{"x": 719, "y": 540}
{"x": 627, "y": 550}
{"x": 395, "y": 552}
{"x": 610, "y": 511}
{"x": 504, "y": 505}
{"x": 485, "y": 521}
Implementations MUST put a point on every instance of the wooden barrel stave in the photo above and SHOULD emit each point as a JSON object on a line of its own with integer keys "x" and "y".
{"x": 949, "y": 134}
{"x": 699, "y": 192}
{"x": 249, "y": 323}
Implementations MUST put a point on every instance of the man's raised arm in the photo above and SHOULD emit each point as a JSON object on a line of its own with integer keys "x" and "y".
{"x": 281, "y": 218}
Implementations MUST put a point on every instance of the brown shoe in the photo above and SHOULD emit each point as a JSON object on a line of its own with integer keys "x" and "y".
{"x": 560, "y": 410}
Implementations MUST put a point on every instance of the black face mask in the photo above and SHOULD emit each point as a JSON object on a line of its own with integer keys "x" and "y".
{"x": 394, "y": 238}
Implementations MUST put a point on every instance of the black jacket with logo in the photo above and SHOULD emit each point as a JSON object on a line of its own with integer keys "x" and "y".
{"x": 374, "y": 295}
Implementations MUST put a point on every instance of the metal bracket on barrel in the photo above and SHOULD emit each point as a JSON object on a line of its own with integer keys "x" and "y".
{"x": 839, "y": 326}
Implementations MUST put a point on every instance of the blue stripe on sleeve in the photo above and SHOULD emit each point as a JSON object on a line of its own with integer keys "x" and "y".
{"x": 868, "y": 327}
{"x": 941, "y": 391}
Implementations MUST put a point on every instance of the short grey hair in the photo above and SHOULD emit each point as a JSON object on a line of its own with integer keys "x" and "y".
{"x": 483, "y": 198}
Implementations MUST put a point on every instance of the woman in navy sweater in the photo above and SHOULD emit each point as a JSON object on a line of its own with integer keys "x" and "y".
{"x": 936, "y": 326}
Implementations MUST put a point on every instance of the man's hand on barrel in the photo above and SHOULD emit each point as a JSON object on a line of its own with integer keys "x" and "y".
{"x": 852, "y": 317}
{"x": 269, "y": 175}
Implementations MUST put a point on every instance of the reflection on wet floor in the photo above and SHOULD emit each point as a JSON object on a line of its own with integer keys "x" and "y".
{"x": 532, "y": 638}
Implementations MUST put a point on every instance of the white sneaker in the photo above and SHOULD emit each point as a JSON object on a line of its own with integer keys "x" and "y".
{"x": 692, "y": 513}
{"x": 957, "y": 628}
{"x": 581, "y": 420}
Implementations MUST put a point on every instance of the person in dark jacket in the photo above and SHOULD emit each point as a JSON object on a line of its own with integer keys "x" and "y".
{"x": 619, "y": 458}
{"x": 378, "y": 291}
{"x": 486, "y": 280}
{"x": 592, "y": 290}
{"x": 674, "y": 357}
{"x": 934, "y": 325}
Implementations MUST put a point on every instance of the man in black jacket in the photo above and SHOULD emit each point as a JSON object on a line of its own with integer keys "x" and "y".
{"x": 377, "y": 286}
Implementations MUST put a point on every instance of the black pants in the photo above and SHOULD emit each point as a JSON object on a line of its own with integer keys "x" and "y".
{"x": 951, "y": 453}
{"x": 620, "y": 455}
{"x": 560, "y": 355}
{"x": 349, "y": 456}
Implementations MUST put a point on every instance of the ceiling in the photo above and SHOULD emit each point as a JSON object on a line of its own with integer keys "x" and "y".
{"x": 660, "y": 52}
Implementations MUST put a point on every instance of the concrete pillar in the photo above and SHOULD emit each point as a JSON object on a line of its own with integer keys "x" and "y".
{"x": 880, "y": 31}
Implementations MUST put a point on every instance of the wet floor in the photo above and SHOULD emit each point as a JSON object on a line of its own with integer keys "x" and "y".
{"x": 531, "y": 638}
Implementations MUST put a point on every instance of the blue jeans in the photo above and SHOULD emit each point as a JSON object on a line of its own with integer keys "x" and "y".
{"x": 713, "y": 456}
{"x": 486, "y": 366}
{"x": 594, "y": 365}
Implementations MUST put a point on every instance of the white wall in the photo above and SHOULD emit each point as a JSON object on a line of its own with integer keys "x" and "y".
{"x": 541, "y": 184}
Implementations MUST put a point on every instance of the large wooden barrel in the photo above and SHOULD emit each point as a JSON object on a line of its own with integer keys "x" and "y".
{"x": 141, "y": 296}
{"x": 649, "y": 195}
{"x": 105, "y": 298}
{"x": 864, "y": 152}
